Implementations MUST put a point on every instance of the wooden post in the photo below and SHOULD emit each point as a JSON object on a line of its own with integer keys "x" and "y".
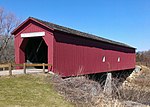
{"x": 10, "y": 69}
{"x": 24, "y": 68}
{"x": 44, "y": 67}
{"x": 4, "y": 69}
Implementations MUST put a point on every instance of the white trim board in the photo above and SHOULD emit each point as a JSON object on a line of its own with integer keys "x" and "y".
{"x": 32, "y": 34}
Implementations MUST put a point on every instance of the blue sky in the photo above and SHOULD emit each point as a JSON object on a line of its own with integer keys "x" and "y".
{"x": 126, "y": 21}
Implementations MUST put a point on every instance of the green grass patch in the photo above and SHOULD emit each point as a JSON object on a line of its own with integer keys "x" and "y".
{"x": 29, "y": 91}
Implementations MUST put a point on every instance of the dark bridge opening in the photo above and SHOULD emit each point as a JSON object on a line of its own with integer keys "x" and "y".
{"x": 36, "y": 50}
{"x": 118, "y": 77}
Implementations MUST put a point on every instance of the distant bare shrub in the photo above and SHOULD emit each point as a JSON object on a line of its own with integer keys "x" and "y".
{"x": 143, "y": 58}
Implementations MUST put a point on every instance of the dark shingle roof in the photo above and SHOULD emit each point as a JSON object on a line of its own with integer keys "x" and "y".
{"x": 79, "y": 33}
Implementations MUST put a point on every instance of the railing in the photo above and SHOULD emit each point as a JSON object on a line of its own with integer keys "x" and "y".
{"x": 10, "y": 66}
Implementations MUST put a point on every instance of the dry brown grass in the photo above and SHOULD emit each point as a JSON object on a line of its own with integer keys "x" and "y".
{"x": 88, "y": 93}
{"x": 79, "y": 90}
{"x": 141, "y": 78}
{"x": 137, "y": 86}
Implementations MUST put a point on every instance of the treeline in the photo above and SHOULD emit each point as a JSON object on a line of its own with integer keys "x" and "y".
{"x": 8, "y": 21}
{"x": 143, "y": 58}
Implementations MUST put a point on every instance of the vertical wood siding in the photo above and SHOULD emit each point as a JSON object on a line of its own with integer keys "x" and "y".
{"x": 75, "y": 55}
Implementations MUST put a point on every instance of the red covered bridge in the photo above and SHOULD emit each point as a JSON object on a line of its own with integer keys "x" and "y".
{"x": 71, "y": 52}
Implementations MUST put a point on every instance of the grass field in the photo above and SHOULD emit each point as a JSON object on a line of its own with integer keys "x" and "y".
{"x": 29, "y": 91}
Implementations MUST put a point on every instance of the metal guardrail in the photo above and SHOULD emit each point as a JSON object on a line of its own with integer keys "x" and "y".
{"x": 10, "y": 66}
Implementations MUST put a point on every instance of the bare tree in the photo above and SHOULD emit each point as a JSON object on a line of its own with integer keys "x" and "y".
{"x": 143, "y": 58}
{"x": 8, "y": 22}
